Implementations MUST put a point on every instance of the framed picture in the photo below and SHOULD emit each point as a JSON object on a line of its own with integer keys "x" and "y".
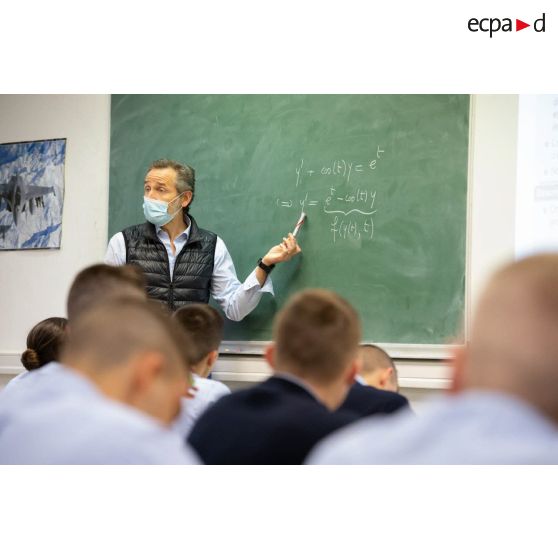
{"x": 31, "y": 194}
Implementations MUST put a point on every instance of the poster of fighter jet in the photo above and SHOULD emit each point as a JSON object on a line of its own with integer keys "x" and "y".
{"x": 31, "y": 194}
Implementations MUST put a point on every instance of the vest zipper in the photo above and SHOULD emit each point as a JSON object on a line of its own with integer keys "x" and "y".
{"x": 176, "y": 261}
{"x": 170, "y": 298}
{"x": 171, "y": 279}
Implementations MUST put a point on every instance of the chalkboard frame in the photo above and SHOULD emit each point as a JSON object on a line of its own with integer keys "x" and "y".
{"x": 395, "y": 350}
{"x": 401, "y": 350}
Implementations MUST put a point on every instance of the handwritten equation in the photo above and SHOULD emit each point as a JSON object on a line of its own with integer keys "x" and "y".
{"x": 350, "y": 206}
{"x": 364, "y": 199}
{"x": 352, "y": 229}
{"x": 338, "y": 167}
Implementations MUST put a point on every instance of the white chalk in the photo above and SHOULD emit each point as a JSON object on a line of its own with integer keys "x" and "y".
{"x": 299, "y": 223}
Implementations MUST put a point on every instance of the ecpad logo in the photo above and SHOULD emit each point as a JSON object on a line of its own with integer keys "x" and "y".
{"x": 493, "y": 25}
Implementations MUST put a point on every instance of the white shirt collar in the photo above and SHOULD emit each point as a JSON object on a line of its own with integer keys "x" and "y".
{"x": 185, "y": 232}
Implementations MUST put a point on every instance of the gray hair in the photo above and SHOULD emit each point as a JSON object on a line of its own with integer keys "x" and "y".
{"x": 185, "y": 175}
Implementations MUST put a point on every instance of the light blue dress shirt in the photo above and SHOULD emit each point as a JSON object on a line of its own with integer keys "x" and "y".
{"x": 59, "y": 417}
{"x": 472, "y": 428}
{"x": 207, "y": 392}
{"x": 26, "y": 380}
{"x": 14, "y": 382}
{"x": 235, "y": 298}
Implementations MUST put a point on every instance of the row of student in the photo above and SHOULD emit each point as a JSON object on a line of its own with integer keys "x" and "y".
{"x": 118, "y": 395}
{"x": 323, "y": 324}
{"x": 204, "y": 328}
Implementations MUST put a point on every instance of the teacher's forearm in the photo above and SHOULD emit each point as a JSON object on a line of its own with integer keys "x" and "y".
{"x": 261, "y": 276}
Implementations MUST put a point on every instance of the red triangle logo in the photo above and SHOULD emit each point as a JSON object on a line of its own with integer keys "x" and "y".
{"x": 519, "y": 25}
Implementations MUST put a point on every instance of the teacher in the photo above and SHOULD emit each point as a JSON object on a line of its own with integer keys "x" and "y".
{"x": 182, "y": 262}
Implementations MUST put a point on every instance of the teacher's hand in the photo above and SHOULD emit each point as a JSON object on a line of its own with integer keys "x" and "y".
{"x": 282, "y": 252}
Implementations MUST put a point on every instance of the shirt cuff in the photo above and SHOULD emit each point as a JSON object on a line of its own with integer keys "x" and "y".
{"x": 253, "y": 283}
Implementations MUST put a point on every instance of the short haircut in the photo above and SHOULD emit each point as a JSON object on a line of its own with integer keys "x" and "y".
{"x": 113, "y": 331}
{"x": 185, "y": 176}
{"x": 205, "y": 327}
{"x": 513, "y": 342}
{"x": 44, "y": 343}
{"x": 316, "y": 335}
{"x": 374, "y": 357}
{"x": 100, "y": 281}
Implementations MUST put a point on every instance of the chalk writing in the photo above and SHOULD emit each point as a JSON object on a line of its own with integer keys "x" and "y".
{"x": 357, "y": 197}
{"x": 338, "y": 167}
{"x": 350, "y": 203}
{"x": 351, "y": 229}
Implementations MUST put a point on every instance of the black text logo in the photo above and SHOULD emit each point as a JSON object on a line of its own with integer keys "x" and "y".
{"x": 493, "y": 25}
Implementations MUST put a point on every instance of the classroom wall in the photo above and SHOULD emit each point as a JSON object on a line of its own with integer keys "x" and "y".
{"x": 34, "y": 283}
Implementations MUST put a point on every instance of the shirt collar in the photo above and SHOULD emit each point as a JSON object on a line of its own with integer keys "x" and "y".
{"x": 184, "y": 234}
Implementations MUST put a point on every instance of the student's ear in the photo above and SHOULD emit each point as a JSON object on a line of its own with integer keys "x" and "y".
{"x": 188, "y": 385}
{"x": 355, "y": 368}
{"x": 211, "y": 359}
{"x": 458, "y": 369}
{"x": 385, "y": 377}
{"x": 270, "y": 355}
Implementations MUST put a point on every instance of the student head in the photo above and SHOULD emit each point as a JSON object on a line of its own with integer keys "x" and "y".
{"x": 98, "y": 282}
{"x": 316, "y": 337}
{"x": 170, "y": 181}
{"x": 513, "y": 345}
{"x": 378, "y": 369}
{"x": 204, "y": 325}
{"x": 44, "y": 343}
{"x": 134, "y": 354}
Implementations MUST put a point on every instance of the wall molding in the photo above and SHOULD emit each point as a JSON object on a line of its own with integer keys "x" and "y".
{"x": 10, "y": 363}
{"x": 412, "y": 374}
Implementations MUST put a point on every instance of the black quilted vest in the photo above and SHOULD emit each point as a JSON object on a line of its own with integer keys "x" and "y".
{"x": 193, "y": 267}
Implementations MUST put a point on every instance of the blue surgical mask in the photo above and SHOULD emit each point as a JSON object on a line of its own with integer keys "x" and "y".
{"x": 156, "y": 212}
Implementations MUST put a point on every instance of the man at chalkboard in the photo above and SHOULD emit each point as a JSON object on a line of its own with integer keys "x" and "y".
{"x": 182, "y": 262}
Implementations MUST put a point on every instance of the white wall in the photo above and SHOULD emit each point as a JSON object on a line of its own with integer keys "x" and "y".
{"x": 34, "y": 284}
{"x": 493, "y": 169}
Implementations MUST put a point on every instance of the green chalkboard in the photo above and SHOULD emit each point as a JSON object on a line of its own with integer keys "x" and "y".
{"x": 382, "y": 178}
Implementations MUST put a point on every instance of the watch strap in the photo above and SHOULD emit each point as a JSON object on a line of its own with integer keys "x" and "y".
{"x": 266, "y": 268}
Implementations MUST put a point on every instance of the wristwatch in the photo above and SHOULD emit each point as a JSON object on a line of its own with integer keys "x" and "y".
{"x": 266, "y": 268}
